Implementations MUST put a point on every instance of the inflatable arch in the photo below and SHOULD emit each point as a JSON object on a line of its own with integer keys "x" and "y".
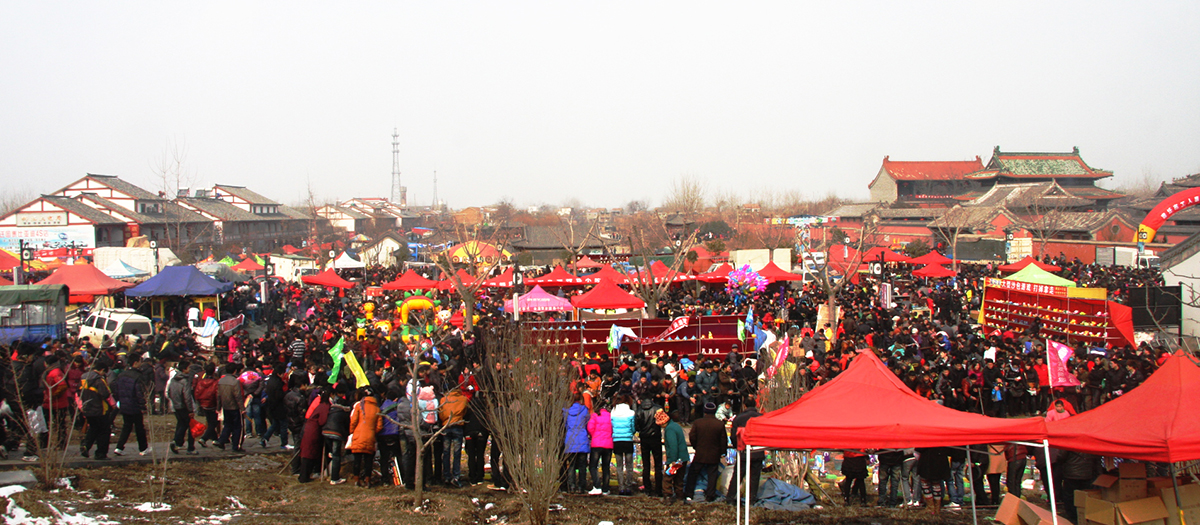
{"x": 1163, "y": 212}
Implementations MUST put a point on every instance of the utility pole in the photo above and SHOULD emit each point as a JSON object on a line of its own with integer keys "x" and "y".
{"x": 399, "y": 192}
{"x": 435, "y": 199}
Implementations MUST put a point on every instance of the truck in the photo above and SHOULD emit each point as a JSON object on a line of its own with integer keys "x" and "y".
{"x": 32, "y": 313}
{"x": 1122, "y": 256}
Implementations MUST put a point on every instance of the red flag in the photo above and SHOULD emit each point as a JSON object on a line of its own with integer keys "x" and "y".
{"x": 780, "y": 356}
{"x": 1056, "y": 361}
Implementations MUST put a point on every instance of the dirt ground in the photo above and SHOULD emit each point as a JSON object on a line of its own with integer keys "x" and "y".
{"x": 252, "y": 490}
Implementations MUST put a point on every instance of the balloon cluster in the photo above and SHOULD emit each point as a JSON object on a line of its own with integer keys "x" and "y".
{"x": 745, "y": 282}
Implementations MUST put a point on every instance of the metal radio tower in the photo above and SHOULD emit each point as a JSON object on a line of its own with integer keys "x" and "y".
{"x": 399, "y": 193}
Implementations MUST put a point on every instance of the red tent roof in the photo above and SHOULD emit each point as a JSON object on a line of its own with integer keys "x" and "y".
{"x": 1156, "y": 421}
{"x": 8, "y": 261}
{"x": 557, "y": 277}
{"x": 607, "y": 295}
{"x": 504, "y": 280}
{"x": 720, "y": 275}
{"x": 775, "y": 274}
{"x": 290, "y": 250}
{"x": 587, "y": 262}
{"x": 447, "y": 284}
{"x": 934, "y": 270}
{"x": 872, "y": 255}
{"x": 327, "y": 278}
{"x": 248, "y": 265}
{"x": 85, "y": 279}
{"x": 1028, "y": 260}
{"x": 410, "y": 281}
{"x": 606, "y": 273}
{"x": 931, "y": 258}
{"x": 867, "y": 406}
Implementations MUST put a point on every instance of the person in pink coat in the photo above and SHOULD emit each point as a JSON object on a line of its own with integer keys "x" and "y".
{"x": 601, "y": 431}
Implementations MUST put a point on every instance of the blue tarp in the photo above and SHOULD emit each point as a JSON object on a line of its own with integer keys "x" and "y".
{"x": 778, "y": 495}
{"x": 179, "y": 281}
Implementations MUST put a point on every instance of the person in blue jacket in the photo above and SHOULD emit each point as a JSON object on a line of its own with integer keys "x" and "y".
{"x": 577, "y": 444}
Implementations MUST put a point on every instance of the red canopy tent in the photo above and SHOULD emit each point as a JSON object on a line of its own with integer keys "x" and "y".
{"x": 1156, "y": 421}
{"x": 720, "y": 275}
{"x": 587, "y": 262}
{"x": 1028, "y": 260}
{"x": 775, "y": 274}
{"x": 606, "y": 273}
{"x": 867, "y": 406}
{"x": 934, "y": 270}
{"x": 872, "y": 255}
{"x": 8, "y": 261}
{"x": 410, "y": 281}
{"x": 248, "y": 265}
{"x": 557, "y": 277}
{"x": 931, "y": 258}
{"x": 447, "y": 284}
{"x": 85, "y": 281}
{"x": 607, "y": 295}
{"x": 327, "y": 278}
{"x": 290, "y": 250}
{"x": 504, "y": 280}
{"x": 5, "y": 282}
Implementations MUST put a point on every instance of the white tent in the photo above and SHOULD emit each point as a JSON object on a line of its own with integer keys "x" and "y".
{"x": 345, "y": 261}
{"x": 121, "y": 270}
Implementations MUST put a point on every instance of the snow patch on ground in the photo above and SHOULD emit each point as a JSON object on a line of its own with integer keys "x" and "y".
{"x": 235, "y": 502}
{"x": 153, "y": 507}
{"x": 215, "y": 519}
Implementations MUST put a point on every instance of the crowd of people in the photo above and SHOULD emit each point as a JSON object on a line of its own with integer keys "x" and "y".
{"x": 286, "y": 385}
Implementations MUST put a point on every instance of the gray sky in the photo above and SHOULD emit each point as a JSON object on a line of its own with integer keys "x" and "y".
{"x": 601, "y": 101}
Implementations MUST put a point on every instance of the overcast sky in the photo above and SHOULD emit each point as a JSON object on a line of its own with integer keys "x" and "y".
{"x": 601, "y": 101}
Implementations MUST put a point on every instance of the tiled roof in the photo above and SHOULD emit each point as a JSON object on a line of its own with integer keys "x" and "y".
{"x": 221, "y": 209}
{"x": 968, "y": 217}
{"x": 930, "y": 170}
{"x": 555, "y": 237}
{"x": 244, "y": 194}
{"x": 911, "y": 213}
{"x": 295, "y": 213}
{"x": 1180, "y": 252}
{"x": 1092, "y": 192}
{"x": 1036, "y": 194}
{"x": 122, "y": 186}
{"x": 1076, "y": 221}
{"x": 347, "y": 211}
{"x": 172, "y": 213}
{"x": 83, "y": 210}
{"x": 1038, "y": 165}
{"x": 853, "y": 210}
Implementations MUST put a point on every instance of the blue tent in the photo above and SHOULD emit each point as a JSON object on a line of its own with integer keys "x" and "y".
{"x": 179, "y": 281}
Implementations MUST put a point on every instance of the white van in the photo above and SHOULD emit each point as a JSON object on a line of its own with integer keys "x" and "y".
{"x": 111, "y": 322}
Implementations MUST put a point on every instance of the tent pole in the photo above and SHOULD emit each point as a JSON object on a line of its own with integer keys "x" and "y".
{"x": 971, "y": 476}
{"x": 737, "y": 508}
{"x": 1050, "y": 476}
{"x": 748, "y": 484}
{"x": 1175, "y": 485}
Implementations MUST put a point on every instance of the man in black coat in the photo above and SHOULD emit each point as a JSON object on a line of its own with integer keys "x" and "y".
{"x": 275, "y": 409}
{"x": 756, "y": 457}
{"x": 709, "y": 440}
{"x": 650, "y": 435}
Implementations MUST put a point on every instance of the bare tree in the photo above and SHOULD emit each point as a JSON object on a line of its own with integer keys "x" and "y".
{"x": 475, "y": 261}
{"x": 1043, "y": 213}
{"x": 832, "y": 285}
{"x": 525, "y": 390}
{"x": 13, "y": 198}
{"x": 575, "y": 237}
{"x": 646, "y": 235}
{"x": 687, "y": 196}
{"x": 958, "y": 221}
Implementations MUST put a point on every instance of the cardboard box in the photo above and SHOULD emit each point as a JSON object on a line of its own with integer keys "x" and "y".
{"x": 1188, "y": 494}
{"x": 1132, "y": 470}
{"x": 1142, "y": 511}
{"x": 1163, "y": 482}
{"x": 1100, "y": 512}
{"x": 1081, "y": 497}
{"x": 1034, "y": 515}
{"x": 1008, "y": 513}
{"x": 1131, "y": 489}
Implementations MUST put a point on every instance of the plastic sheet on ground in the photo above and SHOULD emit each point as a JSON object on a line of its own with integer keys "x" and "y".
{"x": 774, "y": 494}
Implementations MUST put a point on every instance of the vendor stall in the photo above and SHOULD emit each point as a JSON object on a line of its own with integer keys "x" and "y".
{"x": 1074, "y": 314}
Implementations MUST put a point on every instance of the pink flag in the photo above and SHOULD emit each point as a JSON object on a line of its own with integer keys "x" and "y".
{"x": 780, "y": 356}
{"x": 1056, "y": 361}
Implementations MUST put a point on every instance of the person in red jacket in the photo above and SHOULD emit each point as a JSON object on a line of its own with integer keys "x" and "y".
{"x": 57, "y": 401}
{"x": 205, "y": 391}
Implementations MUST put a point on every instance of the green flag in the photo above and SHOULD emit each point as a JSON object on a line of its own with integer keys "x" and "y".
{"x": 741, "y": 330}
{"x": 335, "y": 352}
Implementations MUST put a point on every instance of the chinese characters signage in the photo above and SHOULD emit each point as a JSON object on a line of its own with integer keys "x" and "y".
{"x": 1018, "y": 286}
